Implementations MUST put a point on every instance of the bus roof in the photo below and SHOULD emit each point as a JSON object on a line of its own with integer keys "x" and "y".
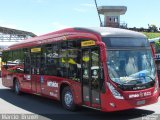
{"x": 114, "y": 32}
{"x": 77, "y": 31}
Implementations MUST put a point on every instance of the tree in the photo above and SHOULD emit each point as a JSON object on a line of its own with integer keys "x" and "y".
{"x": 152, "y": 28}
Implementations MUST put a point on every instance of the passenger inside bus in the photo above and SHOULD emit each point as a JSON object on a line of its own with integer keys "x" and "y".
{"x": 122, "y": 67}
{"x": 130, "y": 66}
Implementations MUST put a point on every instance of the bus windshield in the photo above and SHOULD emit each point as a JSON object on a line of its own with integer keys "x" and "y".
{"x": 130, "y": 65}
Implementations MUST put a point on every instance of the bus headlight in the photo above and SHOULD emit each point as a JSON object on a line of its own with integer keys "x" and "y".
{"x": 115, "y": 93}
{"x": 156, "y": 87}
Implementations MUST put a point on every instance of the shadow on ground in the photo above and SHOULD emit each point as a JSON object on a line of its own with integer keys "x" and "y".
{"x": 53, "y": 110}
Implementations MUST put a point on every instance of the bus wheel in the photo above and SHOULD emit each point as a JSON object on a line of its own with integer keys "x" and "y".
{"x": 68, "y": 100}
{"x": 17, "y": 87}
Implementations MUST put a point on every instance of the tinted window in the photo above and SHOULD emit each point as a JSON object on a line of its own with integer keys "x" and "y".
{"x": 125, "y": 42}
{"x": 27, "y": 61}
{"x": 50, "y": 59}
{"x": 62, "y": 59}
{"x": 14, "y": 60}
{"x": 18, "y": 58}
{"x": 74, "y": 64}
{"x": 63, "y": 62}
{"x": 7, "y": 58}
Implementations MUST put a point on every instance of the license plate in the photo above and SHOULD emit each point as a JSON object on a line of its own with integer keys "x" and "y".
{"x": 142, "y": 102}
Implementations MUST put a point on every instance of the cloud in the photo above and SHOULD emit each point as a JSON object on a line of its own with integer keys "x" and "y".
{"x": 40, "y": 1}
{"x": 88, "y": 5}
{"x": 59, "y": 26}
{"x": 79, "y": 9}
{"x": 84, "y": 7}
{"x": 36, "y": 1}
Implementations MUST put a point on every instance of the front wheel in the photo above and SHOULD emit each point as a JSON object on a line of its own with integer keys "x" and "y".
{"x": 68, "y": 99}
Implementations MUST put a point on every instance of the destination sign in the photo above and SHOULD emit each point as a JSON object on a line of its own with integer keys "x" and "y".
{"x": 88, "y": 43}
{"x": 36, "y": 50}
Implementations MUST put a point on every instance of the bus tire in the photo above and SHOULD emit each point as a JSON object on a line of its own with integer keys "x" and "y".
{"x": 17, "y": 87}
{"x": 68, "y": 99}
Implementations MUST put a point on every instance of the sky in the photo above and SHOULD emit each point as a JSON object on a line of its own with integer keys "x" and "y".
{"x": 43, "y": 16}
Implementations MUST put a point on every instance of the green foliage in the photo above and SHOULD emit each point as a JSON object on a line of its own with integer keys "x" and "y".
{"x": 151, "y": 35}
{"x": 152, "y": 28}
{"x": 157, "y": 43}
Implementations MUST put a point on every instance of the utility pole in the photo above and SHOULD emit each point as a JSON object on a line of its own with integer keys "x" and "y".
{"x": 98, "y": 14}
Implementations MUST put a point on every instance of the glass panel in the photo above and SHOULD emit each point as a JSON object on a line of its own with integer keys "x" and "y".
{"x": 95, "y": 76}
{"x": 131, "y": 66}
{"x": 27, "y": 61}
{"x": 64, "y": 65}
{"x": 33, "y": 63}
{"x": 50, "y": 60}
{"x": 74, "y": 64}
{"x": 125, "y": 42}
{"x": 38, "y": 63}
{"x": 85, "y": 75}
{"x": 7, "y": 59}
{"x": 72, "y": 44}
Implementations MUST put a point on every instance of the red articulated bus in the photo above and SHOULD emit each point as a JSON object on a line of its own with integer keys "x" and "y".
{"x": 107, "y": 69}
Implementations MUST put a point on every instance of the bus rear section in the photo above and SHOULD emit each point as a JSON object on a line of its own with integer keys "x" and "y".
{"x": 102, "y": 68}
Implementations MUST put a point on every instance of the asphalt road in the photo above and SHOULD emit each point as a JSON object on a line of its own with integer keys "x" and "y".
{"x": 47, "y": 109}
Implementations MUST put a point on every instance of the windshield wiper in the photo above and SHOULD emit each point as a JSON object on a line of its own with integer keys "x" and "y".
{"x": 150, "y": 78}
{"x": 127, "y": 86}
{"x": 153, "y": 80}
{"x": 130, "y": 85}
{"x": 130, "y": 82}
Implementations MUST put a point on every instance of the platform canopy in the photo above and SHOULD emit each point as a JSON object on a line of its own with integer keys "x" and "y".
{"x": 9, "y": 34}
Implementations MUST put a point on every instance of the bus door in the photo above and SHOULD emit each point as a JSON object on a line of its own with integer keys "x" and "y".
{"x": 90, "y": 77}
{"x": 35, "y": 72}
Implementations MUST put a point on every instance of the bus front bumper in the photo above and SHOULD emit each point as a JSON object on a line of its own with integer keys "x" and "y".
{"x": 113, "y": 104}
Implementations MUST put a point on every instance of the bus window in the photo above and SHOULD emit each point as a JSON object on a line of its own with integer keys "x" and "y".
{"x": 72, "y": 44}
{"x": 18, "y": 57}
{"x": 34, "y": 63}
{"x": 27, "y": 61}
{"x": 63, "y": 62}
{"x": 95, "y": 75}
{"x": 74, "y": 64}
{"x": 7, "y": 59}
{"x": 50, "y": 60}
